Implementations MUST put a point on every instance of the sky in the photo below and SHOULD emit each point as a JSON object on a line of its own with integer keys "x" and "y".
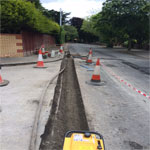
{"x": 78, "y": 8}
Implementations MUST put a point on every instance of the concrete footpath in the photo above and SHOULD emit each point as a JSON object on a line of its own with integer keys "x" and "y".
{"x": 20, "y": 100}
{"x": 25, "y": 60}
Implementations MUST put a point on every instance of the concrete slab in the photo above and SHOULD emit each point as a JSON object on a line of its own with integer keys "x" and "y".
{"x": 19, "y": 102}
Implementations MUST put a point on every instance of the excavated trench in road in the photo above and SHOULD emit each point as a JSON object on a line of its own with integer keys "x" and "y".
{"x": 67, "y": 112}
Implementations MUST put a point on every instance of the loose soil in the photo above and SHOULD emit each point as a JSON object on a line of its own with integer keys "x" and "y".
{"x": 67, "y": 111}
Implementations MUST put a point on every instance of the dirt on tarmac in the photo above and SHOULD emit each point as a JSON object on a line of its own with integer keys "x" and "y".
{"x": 67, "y": 111}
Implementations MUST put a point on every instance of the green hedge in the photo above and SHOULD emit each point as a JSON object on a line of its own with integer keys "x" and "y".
{"x": 17, "y": 15}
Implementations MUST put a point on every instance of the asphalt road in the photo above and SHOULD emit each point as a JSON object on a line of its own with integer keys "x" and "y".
{"x": 115, "y": 110}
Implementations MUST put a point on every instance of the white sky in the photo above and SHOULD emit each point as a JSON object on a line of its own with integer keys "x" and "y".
{"x": 78, "y": 8}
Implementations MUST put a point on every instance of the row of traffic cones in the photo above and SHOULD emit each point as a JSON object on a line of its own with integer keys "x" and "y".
{"x": 96, "y": 75}
{"x": 40, "y": 63}
{"x": 89, "y": 60}
{"x": 96, "y": 78}
{"x": 46, "y": 53}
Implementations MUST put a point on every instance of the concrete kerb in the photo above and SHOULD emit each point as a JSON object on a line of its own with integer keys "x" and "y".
{"x": 27, "y": 63}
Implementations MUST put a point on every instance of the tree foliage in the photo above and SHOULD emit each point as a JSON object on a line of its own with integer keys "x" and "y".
{"x": 84, "y": 35}
{"x": 88, "y": 26}
{"x": 123, "y": 20}
{"x": 55, "y": 15}
{"x": 51, "y": 14}
{"x": 105, "y": 29}
{"x": 20, "y": 15}
{"x": 37, "y": 3}
{"x": 71, "y": 32}
{"x": 128, "y": 16}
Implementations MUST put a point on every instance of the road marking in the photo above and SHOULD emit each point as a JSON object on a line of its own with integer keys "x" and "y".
{"x": 125, "y": 82}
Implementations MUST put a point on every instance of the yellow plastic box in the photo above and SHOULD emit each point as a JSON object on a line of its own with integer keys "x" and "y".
{"x": 83, "y": 140}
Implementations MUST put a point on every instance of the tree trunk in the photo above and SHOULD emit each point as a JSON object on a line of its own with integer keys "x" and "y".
{"x": 110, "y": 44}
{"x": 129, "y": 44}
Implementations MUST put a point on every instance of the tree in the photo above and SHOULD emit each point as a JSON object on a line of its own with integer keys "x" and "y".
{"x": 84, "y": 36}
{"x": 70, "y": 32}
{"x": 128, "y": 17}
{"x": 76, "y": 22}
{"x": 37, "y": 3}
{"x": 88, "y": 26}
{"x": 105, "y": 29}
{"x": 20, "y": 15}
{"x": 121, "y": 21}
{"x": 55, "y": 16}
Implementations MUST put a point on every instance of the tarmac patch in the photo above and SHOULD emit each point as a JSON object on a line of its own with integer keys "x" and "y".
{"x": 134, "y": 145}
{"x": 35, "y": 102}
{"x": 110, "y": 65}
{"x": 145, "y": 70}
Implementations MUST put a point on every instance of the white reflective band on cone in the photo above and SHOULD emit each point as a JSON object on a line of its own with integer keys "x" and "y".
{"x": 40, "y": 58}
{"x": 90, "y": 57}
{"x": 43, "y": 50}
{"x": 53, "y": 53}
{"x": 97, "y": 70}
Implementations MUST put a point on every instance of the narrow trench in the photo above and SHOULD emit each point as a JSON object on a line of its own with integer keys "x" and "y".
{"x": 68, "y": 112}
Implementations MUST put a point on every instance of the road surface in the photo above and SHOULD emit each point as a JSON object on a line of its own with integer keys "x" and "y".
{"x": 118, "y": 111}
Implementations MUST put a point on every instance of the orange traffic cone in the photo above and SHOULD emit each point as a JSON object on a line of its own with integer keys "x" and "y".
{"x": 43, "y": 49}
{"x": 3, "y": 82}
{"x": 96, "y": 75}
{"x": 89, "y": 60}
{"x": 1, "y": 79}
{"x": 61, "y": 49}
{"x": 40, "y": 63}
{"x": 96, "y": 78}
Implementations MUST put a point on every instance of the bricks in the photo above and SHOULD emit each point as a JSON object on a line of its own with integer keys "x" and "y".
{"x": 16, "y": 45}
{"x": 18, "y": 36}
{"x": 19, "y": 44}
{"x": 19, "y": 50}
{"x": 11, "y": 45}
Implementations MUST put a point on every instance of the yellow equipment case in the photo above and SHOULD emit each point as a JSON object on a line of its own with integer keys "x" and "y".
{"x": 83, "y": 140}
